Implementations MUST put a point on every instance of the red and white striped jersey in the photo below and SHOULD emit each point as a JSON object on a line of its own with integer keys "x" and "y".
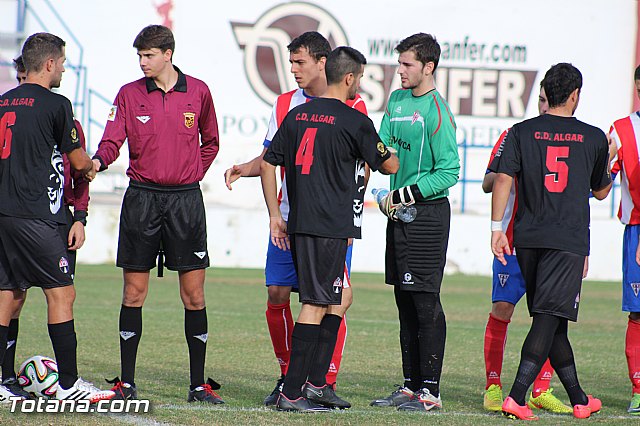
{"x": 285, "y": 103}
{"x": 625, "y": 133}
{"x": 512, "y": 202}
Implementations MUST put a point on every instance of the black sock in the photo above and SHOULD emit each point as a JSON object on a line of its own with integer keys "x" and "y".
{"x": 304, "y": 340}
{"x": 561, "y": 357}
{"x": 130, "y": 332}
{"x": 64, "y": 342}
{"x": 4, "y": 331}
{"x": 324, "y": 351}
{"x": 535, "y": 351}
{"x": 195, "y": 330}
{"x": 432, "y": 334}
{"x": 9, "y": 361}
{"x": 409, "y": 347}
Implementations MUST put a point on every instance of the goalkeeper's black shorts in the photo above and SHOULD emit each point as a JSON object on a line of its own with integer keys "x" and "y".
{"x": 417, "y": 252}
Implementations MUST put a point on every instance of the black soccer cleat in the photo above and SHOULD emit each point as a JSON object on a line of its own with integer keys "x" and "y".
{"x": 123, "y": 390}
{"x": 206, "y": 393}
{"x": 325, "y": 396}
{"x": 14, "y": 387}
{"x": 302, "y": 405}
{"x": 272, "y": 398}
{"x": 398, "y": 397}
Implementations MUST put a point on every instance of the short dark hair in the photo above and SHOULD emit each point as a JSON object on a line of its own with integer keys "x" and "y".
{"x": 315, "y": 43}
{"x": 155, "y": 37}
{"x": 425, "y": 46}
{"x": 39, "y": 48}
{"x": 341, "y": 61}
{"x": 636, "y": 75}
{"x": 559, "y": 82}
{"x": 18, "y": 64}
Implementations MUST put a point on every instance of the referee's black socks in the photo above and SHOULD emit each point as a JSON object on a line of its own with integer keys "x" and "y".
{"x": 304, "y": 341}
{"x": 196, "y": 333}
{"x": 130, "y": 332}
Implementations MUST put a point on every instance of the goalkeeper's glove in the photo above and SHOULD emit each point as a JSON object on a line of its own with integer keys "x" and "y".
{"x": 398, "y": 197}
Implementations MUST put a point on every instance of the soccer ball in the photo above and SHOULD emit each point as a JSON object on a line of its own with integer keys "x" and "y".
{"x": 39, "y": 375}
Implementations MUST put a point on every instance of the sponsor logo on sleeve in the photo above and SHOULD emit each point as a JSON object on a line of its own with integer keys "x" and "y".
{"x": 112, "y": 113}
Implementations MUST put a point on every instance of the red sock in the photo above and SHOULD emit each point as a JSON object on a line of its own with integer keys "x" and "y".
{"x": 632, "y": 350}
{"x": 495, "y": 337}
{"x": 542, "y": 382}
{"x": 280, "y": 323}
{"x": 336, "y": 358}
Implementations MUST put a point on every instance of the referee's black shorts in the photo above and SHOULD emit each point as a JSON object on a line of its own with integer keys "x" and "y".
{"x": 417, "y": 252}
{"x": 33, "y": 252}
{"x": 319, "y": 263}
{"x": 171, "y": 217}
{"x": 553, "y": 279}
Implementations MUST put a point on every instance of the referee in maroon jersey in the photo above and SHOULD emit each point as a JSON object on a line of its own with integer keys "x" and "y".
{"x": 170, "y": 123}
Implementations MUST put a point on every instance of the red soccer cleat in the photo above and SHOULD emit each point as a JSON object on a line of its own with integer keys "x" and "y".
{"x": 512, "y": 410}
{"x": 584, "y": 411}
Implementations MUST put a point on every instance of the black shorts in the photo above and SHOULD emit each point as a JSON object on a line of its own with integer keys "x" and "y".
{"x": 319, "y": 264}
{"x": 553, "y": 279}
{"x": 417, "y": 252}
{"x": 171, "y": 218}
{"x": 32, "y": 253}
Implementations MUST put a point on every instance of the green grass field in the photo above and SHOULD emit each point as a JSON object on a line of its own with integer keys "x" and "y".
{"x": 241, "y": 358}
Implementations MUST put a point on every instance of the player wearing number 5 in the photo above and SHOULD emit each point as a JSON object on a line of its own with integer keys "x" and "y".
{"x": 557, "y": 161}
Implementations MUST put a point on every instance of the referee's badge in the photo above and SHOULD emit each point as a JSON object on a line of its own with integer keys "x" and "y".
{"x": 382, "y": 149}
{"x": 189, "y": 119}
{"x": 74, "y": 135}
{"x": 337, "y": 285}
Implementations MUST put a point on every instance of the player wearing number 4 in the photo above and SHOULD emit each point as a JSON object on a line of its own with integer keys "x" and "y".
{"x": 307, "y": 55}
{"x": 626, "y": 134}
{"x": 321, "y": 145}
{"x": 557, "y": 160}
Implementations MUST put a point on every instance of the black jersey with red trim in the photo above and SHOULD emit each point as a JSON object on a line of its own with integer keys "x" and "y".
{"x": 36, "y": 128}
{"x": 321, "y": 144}
{"x": 557, "y": 162}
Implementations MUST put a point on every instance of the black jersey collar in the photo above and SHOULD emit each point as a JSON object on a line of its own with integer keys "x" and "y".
{"x": 181, "y": 84}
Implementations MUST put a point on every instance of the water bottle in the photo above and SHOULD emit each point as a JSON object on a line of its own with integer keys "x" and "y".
{"x": 405, "y": 213}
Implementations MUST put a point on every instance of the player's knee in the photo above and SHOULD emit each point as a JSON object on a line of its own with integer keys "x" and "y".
{"x": 278, "y": 295}
{"x": 502, "y": 310}
{"x": 133, "y": 297}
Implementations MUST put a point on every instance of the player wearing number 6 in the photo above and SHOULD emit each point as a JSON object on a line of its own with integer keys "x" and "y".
{"x": 320, "y": 144}
{"x": 557, "y": 161}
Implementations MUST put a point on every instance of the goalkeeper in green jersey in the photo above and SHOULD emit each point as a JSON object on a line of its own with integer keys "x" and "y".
{"x": 419, "y": 124}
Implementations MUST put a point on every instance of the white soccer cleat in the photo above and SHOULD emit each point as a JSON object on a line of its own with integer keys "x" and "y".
{"x": 6, "y": 395}
{"x": 84, "y": 390}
